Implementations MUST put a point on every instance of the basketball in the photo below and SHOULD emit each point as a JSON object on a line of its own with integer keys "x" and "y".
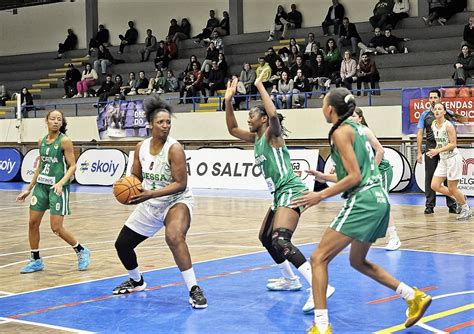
{"x": 127, "y": 187}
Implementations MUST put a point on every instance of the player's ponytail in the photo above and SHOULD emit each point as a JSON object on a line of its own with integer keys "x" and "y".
{"x": 153, "y": 105}
{"x": 343, "y": 102}
{"x": 452, "y": 116}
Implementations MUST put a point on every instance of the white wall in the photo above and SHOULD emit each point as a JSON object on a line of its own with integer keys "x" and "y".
{"x": 258, "y": 15}
{"x": 40, "y": 28}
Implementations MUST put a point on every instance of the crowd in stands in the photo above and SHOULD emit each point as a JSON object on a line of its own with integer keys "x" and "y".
{"x": 291, "y": 74}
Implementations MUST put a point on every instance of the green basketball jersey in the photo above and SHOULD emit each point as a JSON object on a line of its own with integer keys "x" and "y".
{"x": 365, "y": 158}
{"x": 275, "y": 164}
{"x": 384, "y": 165}
{"x": 53, "y": 164}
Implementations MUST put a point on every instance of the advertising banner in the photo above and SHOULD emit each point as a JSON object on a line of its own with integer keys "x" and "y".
{"x": 100, "y": 167}
{"x": 415, "y": 101}
{"x": 466, "y": 184}
{"x": 234, "y": 168}
{"x": 10, "y": 161}
{"x": 29, "y": 164}
{"x": 402, "y": 173}
{"x": 120, "y": 119}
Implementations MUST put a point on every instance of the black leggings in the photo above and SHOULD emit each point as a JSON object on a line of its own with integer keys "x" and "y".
{"x": 125, "y": 245}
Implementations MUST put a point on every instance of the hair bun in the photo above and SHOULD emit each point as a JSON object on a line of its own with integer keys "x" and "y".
{"x": 349, "y": 97}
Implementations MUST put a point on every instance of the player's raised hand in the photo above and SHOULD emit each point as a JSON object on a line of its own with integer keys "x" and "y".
{"x": 231, "y": 89}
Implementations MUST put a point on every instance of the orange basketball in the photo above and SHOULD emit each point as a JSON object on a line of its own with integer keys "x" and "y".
{"x": 127, "y": 187}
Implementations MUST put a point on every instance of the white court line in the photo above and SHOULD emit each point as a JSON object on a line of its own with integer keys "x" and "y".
{"x": 66, "y": 329}
{"x": 6, "y": 293}
{"x": 429, "y": 328}
{"x": 111, "y": 241}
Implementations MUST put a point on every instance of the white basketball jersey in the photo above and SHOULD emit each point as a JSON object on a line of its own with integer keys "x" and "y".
{"x": 442, "y": 139}
{"x": 156, "y": 173}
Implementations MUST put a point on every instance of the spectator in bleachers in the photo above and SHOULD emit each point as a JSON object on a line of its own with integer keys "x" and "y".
{"x": 224, "y": 26}
{"x": 320, "y": 78}
{"x": 464, "y": 66}
{"x": 184, "y": 31}
{"x": 333, "y": 17}
{"x": 132, "y": 81}
{"x": 105, "y": 88}
{"x": 284, "y": 52}
{"x": 391, "y": 43}
{"x": 189, "y": 67}
{"x": 400, "y": 11}
{"x": 216, "y": 80}
{"x": 70, "y": 80}
{"x": 309, "y": 45}
{"x": 300, "y": 85}
{"x": 149, "y": 47}
{"x": 264, "y": 67}
{"x": 130, "y": 38}
{"x": 366, "y": 72}
{"x": 88, "y": 79}
{"x": 157, "y": 84}
{"x": 104, "y": 59}
{"x": 27, "y": 103}
{"x": 453, "y": 7}
{"x": 161, "y": 59}
{"x": 317, "y": 49}
{"x": 276, "y": 73}
{"x": 115, "y": 90}
{"x": 172, "y": 84}
{"x": 382, "y": 11}
{"x": 222, "y": 63}
{"x": 348, "y": 35}
{"x": 218, "y": 42}
{"x": 187, "y": 88}
{"x": 348, "y": 71}
{"x": 4, "y": 96}
{"x": 294, "y": 18}
{"x": 247, "y": 77}
{"x": 192, "y": 85}
{"x": 69, "y": 44}
{"x": 271, "y": 57}
{"x": 333, "y": 56}
{"x": 468, "y": 34}
{"x": 212, "y": 23}
{"x": 300, "y": 65}
{"x": 171, "y": 51}
{"x": 285, "y": 89}
{"x": 292, "y": 56}
{"x": 101, "y": 38}
{"x": 376, "y": 44}
{"x": 437, "y": 10}
{"x": 141, "y": 85}
{"x": 279, "y": 22}
{"x": 212, "y": 54}
{"x": 173, "y": 29}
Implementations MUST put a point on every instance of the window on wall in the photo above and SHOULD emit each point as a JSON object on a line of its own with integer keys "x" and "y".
{"x": 13, "y": 4}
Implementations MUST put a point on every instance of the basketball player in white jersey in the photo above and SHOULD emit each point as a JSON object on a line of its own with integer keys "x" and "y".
{"x": 166, "y": 201}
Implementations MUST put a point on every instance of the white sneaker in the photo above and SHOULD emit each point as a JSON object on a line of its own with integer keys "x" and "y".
{"x": 64, "y": 97}
{"x": 86, "y": 94}
{"x": 285, "y": 284}
{"x": 309, "y": 305}
{"x": 393, "y": 244}
{"x": 464, "y": 215}
{"x": 270, "y": 38}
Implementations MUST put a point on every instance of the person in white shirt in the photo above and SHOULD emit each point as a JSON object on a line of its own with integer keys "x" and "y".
{"x": 400, "y": 11}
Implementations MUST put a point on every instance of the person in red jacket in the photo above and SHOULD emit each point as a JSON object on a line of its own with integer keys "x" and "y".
{"x": 366, "y": 72}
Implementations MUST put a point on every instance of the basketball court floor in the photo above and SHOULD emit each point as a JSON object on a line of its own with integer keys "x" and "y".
{"x": 233, "y": 269}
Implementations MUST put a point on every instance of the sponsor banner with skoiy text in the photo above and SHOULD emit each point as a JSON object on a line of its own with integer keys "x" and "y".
{"x": 10, "y": 161}
{"x": 100, "y": 167}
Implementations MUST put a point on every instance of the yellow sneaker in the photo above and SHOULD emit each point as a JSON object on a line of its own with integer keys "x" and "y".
{"x": 314, "y": 330}
{"x": 417, "y": 307}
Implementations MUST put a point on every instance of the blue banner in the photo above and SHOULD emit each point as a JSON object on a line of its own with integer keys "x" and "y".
{"x": 10, "y": 162}
{"x": 120, "y": 119}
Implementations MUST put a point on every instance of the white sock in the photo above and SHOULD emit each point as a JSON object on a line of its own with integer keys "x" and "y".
{"x": 135, "y": 274}
{"x": 405, "y": 291}
{"x": 189, "y": 278}
{"x": 321, "y": 319}
{"x": 465, "y": 206}
{"x": 305, "y": 270}
{"x": 392, "y": 232}
{"x": 286, "y": 271}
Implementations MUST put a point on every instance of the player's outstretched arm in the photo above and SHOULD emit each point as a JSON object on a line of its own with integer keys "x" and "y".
{"x": 274, "y": 122}
{"x": 231, "y": 121}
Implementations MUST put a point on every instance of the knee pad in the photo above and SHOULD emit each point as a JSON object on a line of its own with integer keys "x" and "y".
{"x": 281, "y": 241}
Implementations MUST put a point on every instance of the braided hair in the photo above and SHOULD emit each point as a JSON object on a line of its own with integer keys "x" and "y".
{"x": 343, "y": 102}
{"x": 261, "y": 110}
{"x": 63, "y": 127}
{"x": 153, "y": 105}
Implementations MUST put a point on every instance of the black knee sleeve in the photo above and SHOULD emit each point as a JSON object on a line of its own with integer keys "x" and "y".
{"x": 125, "y": 245}
{"x": 281, "y": 241}
{"x": 265, "y": 238}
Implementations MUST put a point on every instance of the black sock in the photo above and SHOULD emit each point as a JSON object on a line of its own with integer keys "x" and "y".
{"x": 78, "y": 248}
{"x": 35, "y": 255}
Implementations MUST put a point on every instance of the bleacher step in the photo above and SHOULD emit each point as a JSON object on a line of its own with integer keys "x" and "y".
{"x": 49, "y": 80}
{"x": 41, "y": 85}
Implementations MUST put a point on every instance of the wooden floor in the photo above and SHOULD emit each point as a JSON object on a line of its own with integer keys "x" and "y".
{"x": 221, "y": 227}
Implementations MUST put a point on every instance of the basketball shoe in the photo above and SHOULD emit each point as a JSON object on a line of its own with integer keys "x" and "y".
{"x": 309, "y": 305}
{"x": 314, "y": 330}
{"x": 83, "y": 259}
{"x": 285, "y": 284}
{"x": 32, "y": 266}
{"x": 393, "y": 244}
{"x": 196, "y": 298}
{"x": 130, "y": 286}
{"x": 417, "y": 307}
